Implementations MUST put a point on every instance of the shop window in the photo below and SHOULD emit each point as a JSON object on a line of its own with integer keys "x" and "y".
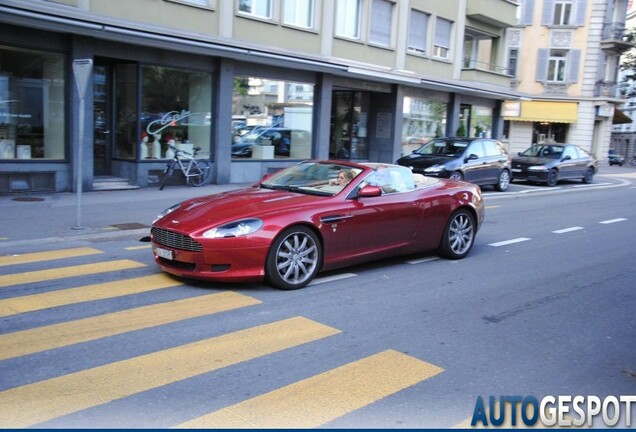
{"x": 31, "y": 104}
{"x": 175, "y": 111}
{"x": 481, "y": 122}
{"x": 544, "y": 132}
{"x": 271, "y": 119}
{"x": 349, "y": 125}
{"x": 422, "y": 120}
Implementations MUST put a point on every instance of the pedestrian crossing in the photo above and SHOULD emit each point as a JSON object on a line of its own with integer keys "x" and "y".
{"x": 71, "y": 389}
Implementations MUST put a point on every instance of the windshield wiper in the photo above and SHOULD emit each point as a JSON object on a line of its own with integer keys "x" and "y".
{"x": 298, "y": 189}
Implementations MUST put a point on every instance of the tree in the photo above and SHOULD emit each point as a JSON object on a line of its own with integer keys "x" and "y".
{"x": 628, "y": 65}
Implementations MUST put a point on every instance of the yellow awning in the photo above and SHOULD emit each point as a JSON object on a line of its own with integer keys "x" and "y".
{"x": 542, "y": 111}
{"x": 620, "y": 117}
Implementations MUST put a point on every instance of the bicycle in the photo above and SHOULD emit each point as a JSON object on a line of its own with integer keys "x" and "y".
{"x": 195, "y": 170}
{"x": 632, "y": 161}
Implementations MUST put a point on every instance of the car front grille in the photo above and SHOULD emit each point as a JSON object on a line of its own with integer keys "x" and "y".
{"x": 175, "y": 240}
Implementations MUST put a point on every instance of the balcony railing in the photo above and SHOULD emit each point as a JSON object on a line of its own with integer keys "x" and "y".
{"x": 614, "y": 31}
{"x": 609, "y": 89}
{"x": 483, "y": 66}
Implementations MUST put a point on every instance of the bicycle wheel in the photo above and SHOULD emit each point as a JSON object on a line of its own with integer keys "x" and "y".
{"x": 199, "y": 172}
{"x": 166, "y": 173}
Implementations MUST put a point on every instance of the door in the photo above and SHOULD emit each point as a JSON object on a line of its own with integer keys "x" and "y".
{"x": 102, "y": 119}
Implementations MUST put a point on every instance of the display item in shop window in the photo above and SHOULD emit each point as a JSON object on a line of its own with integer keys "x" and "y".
{"x": 156, "y": 146}
{"x": 144, "y": 146}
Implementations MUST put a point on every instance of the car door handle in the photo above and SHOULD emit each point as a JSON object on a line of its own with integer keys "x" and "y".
{"x": 334, "y": 218}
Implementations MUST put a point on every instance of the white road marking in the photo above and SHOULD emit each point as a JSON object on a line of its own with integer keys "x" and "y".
{"x": 422, "y": 260}
{"x": 326, "y": 279}
{"x": 507, "y": 242}
{"x": 567, "y": 230}
{"x": 611, "y": 221}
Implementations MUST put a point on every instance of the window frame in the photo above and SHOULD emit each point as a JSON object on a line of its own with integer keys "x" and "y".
{"x": 411, "y": 48}
{"x": 441, "y": 51}
{"x": 340, "y": 27}
{"x": 311, "y": 19}
{"x": 372, "y": 33}
{"x": 254, "y": 14}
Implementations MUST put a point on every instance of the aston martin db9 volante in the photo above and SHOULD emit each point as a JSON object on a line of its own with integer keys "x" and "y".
{"x": 314, "y": 216}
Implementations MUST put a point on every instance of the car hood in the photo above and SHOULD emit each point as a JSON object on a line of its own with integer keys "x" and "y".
{"x": 213, "y": 210}
{"x": 527, "y": 160}
{"x": 424, "y": 161}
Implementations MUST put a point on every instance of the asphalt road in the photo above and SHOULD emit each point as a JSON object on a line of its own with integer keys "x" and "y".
{"x": 543, "y": 305}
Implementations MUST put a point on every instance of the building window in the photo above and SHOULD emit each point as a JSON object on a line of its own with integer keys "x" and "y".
{"x": 348, "y": 14}
{"x": 513, "y": 59}
{"x": 32, "y": 104}
{"x": 271, "y": 119}
{"x": 422, "y": 120}
{"x": 175, "y": 112}
{"x": 418, "y": 30}
{"x": 381, "y": 22}
{"x": 557, "y": 65}
{"x": 299, "y": 13}
{"x": 256, "y": 8}
{"x": 562, "y": 12}
{"x": 441, "y": 47}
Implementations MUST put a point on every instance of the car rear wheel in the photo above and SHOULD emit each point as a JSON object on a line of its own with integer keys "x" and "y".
{"x": 504, "y": 181}
{"x": 458, "y": 236}
{"x": 294, "y": 258}
{"x": 553, "y": 177}
{"x": 589, "y": 175}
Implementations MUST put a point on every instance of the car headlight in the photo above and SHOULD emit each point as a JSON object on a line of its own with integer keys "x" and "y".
{"x": 166, "y": 212}
{"x": 435, "y": 169}
{"x": 235, "y": 229}
{"x": 538, "y": 168}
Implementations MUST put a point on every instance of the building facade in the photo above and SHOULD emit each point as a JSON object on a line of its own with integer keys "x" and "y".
{"x": 565, "y": 55}
{"x": 96, "y": 89}
{"x": 624, "y": 134}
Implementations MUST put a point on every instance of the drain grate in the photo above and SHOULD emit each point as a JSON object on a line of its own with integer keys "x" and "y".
{"x": 130, "y": 226}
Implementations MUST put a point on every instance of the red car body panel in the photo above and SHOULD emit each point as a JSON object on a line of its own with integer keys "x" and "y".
{"x": 351, "y": 230}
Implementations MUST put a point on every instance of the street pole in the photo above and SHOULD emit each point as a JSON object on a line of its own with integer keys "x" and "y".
{"x": 82, "y": 70}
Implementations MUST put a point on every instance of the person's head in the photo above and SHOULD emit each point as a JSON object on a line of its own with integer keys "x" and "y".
{"x": 344, "y": 177}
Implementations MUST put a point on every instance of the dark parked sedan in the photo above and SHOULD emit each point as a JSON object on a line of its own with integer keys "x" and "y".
{"x": 481, "y": 161}
{"x": 614, "y": 158}
{"x": 549, "y": 163}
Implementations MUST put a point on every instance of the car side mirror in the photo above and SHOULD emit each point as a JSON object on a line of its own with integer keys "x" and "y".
{"x": 369, "y": 191}
{"x": 471, "y": 156}
{"x": 566, "y": 158}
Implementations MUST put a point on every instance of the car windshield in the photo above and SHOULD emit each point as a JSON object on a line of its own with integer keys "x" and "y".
{"x": 544, "y": 150}
{"x": 317, "y": 178}
{"x": 443, "y": 147}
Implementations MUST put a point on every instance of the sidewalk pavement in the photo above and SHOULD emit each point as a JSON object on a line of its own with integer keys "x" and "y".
{"x": 48, "y": 218}
{"x": 53, "y": 217}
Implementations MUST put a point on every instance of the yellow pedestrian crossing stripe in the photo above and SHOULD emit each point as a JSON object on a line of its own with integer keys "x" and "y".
{"x": 100, "y": 291}
{"x": 41, "y": 401}
{"x": 86, "y": 329}
{"x": 317, "y": 400}
{"x": 47, "y": 256}
{"x": 65, "y": 272}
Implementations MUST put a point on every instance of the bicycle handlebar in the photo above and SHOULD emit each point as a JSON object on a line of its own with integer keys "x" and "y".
{"x": 177, "y": 151}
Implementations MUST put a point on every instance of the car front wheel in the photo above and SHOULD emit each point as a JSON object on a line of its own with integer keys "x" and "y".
{"x": 553, "y": 177}
{"x": 456, "y": 175}
{"x": 458, "y": 236}
{"x": 294, "y": 258}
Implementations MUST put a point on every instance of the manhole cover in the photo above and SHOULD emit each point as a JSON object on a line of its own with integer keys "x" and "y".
{"x": 130, "y": 226}
{"x": 28, "y": 199}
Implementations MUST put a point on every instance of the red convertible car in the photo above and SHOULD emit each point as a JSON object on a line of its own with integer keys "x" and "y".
{"x": 313, "y": 216}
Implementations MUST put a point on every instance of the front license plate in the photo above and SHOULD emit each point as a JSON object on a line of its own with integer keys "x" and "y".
{"x": 516, "y": 170}
{"x": 164, "y": 253}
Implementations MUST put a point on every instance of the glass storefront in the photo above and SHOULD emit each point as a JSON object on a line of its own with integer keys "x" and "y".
{"x": 422, "y": 120}
{"x": 271, "y": 119}
{"x": 32, "y": 112}
{"x": 349, "y": 125}
{"x": 176, "y": 111}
